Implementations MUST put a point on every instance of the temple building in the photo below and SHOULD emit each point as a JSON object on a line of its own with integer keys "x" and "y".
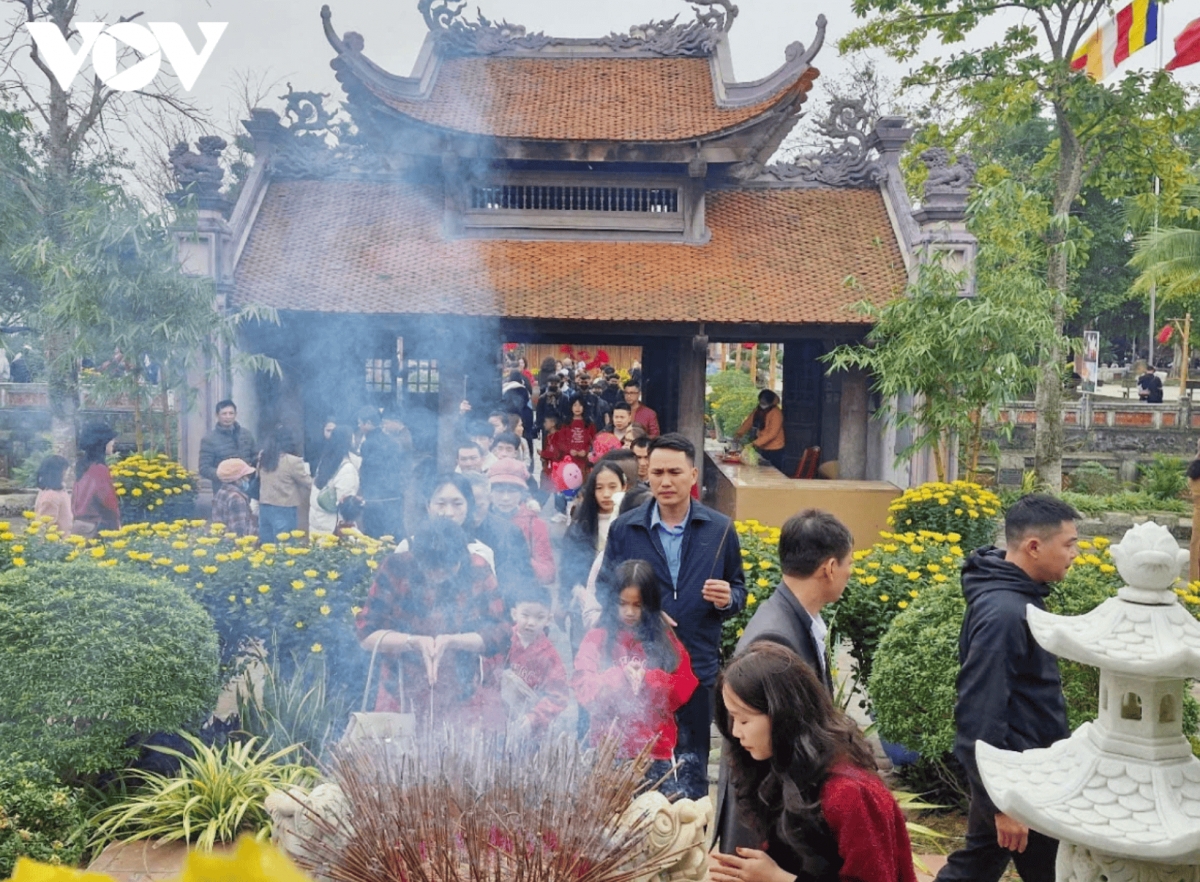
{"x": 616, "y": 191}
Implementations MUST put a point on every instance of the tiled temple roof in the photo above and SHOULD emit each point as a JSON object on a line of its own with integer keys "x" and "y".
{"x": 776, "y": 256}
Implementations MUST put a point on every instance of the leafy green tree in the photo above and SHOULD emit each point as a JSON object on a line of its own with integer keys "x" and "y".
{"x": 1103, "y": 136}
{"x": 112, "y": 282}
{"x": 1170, "y": 257}
{"x": 957, "y": 359}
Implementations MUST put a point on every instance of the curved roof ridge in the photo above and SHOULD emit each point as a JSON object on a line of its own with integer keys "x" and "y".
{"x": 664, "y": 39}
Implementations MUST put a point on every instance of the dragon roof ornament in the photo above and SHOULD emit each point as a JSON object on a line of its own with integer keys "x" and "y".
{"x": 455, "y": 35}
{"x": 851, "y": 159}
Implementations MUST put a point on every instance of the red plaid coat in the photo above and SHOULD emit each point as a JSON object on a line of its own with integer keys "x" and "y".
{"x": 400, "y": 601}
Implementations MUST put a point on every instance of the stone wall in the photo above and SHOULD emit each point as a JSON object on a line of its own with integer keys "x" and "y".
{"x": 1120, "y": 434}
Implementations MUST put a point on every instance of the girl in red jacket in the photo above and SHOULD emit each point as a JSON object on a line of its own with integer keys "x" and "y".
{"x": 805, "y": 778}
{"x": 632, "y": 673}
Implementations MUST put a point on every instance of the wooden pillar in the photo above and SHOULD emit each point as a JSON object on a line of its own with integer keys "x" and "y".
{"x": 852, "y": 437}
{"x": 737, "y": 356}
{"x": 451, "y": 382}
{"x": 690, "y": 420}
{"x": 753, "y": 353}
{"x": 772, "y": 365}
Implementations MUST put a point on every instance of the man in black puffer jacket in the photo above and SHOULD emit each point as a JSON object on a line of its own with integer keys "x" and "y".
{"x": 1009, "y": 692}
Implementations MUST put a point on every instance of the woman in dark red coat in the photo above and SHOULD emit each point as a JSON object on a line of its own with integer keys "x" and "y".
{"x": 804, "y": 778}
{"x": 93, "y": 500}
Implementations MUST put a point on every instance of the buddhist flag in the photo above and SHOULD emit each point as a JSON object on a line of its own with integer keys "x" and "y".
{"x": 1187, "y": 46}
{"x": 1129, "y": 30}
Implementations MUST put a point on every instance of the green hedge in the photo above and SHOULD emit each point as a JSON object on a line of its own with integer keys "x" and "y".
{"x": 40, "y": 818}
{"x": 91, "y": 657}
{"x": 912, "y": 686}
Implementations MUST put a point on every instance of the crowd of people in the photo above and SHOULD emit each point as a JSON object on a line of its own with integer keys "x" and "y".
{"x": 489, "y": 615}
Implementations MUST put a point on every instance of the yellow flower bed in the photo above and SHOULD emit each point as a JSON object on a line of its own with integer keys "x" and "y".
{"x": 299, "y": 594}
{"x": 153, "y": 487}
{"x": 886, "y": 578}
{"x": 960, "y": 507}
{"x": 760, "y": 565}
{"x": 252, "y": 862}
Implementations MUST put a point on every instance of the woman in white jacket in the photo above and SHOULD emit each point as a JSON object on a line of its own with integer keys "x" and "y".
{"x": 335, "y": 469}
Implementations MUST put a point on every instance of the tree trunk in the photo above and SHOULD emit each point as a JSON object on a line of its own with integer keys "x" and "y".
{"x": 1049, "y": 440}
{"x": 168, "y": 442}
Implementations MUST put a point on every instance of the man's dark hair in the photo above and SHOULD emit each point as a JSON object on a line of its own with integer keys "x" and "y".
{"x": 675, "y": 441}
{"x": 224, "y": 403}
{"x": 1038, "y": 513}
{"x": 367, "y": 414}
{"x": 622, "y": 405}
{"x": 808, "y": 539}
{"x": 643, "y": 441}
{"x": 768, "y": 397}
{"x": 631, "y": 384}
{"x": 507, "y": 438}
{"x": 464, "y": 443}
{"x": 628, "y": 462}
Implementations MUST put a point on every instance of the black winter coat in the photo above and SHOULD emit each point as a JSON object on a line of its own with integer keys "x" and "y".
{"x": 1009, "y": 691}
{"x": 221, "y": 444}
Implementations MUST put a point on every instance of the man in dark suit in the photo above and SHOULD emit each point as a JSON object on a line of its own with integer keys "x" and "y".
{"x": 816, "y": 554}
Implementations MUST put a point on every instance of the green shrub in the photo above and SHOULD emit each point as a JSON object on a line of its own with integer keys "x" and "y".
{"x": 732, "y": 398}
{"x": 912, "y": 686}
{"x": 40, "y": 818}
{"x": 887, "y": 578}
{"x": 92, "y": 656}
{"x": 1094, "y": 479}
{"x": 1133, "y": 502}
{"x": 960, "y": 507}
{"x": 1165, "y": 477}
{"x": 218, "y": 793}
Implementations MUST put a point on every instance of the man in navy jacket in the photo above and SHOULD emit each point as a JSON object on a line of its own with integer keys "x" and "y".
{"x": 696, "y": 554}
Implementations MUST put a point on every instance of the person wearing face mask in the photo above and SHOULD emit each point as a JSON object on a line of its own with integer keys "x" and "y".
{"x": 231, "y": 504}
{"x": 432, "y": 611}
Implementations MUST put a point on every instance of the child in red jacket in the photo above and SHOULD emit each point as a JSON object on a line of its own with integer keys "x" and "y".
{"x": 632, "y": 673}
{"x": 529, "y": 677}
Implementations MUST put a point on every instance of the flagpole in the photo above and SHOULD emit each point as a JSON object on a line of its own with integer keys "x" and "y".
{"x": 1162, "y": 34}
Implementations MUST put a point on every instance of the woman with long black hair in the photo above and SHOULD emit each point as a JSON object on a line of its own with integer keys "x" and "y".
{"x": 805, "y": 780}
{"x": 599, "y": 499}
{"x": 336, "y": 470}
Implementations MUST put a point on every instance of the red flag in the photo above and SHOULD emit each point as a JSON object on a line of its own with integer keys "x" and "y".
{"x": 1164, "y": 335}
{"x": 1187, "y": 46}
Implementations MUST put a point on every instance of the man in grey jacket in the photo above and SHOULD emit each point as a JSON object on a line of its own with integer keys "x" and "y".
{"x": 816, "y": 554}
{"x": 227, "y": 440}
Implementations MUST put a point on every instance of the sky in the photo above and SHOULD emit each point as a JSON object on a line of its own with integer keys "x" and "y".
{"x": 273, "y": 42}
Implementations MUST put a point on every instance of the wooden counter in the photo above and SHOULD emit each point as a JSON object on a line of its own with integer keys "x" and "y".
{"x": 765, "y": 494}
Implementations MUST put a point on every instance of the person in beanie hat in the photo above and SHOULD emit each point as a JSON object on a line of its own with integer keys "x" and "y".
{"x": 94, "y": 500}
{"x": 509, "y": 481}
{"x": 231, "y": 504}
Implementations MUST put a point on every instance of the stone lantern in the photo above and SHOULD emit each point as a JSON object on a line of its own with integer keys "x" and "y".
{"x": 1122, "y": 793}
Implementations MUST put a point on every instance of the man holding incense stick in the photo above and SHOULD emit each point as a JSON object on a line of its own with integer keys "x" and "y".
{"x": 697, "y": 558}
